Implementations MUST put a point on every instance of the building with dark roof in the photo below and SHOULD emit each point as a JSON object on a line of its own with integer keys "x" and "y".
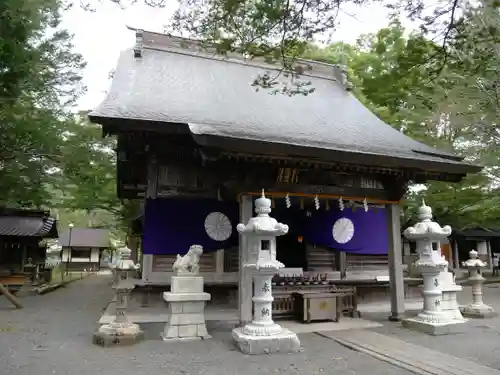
{"x": 191, "y": 126}
{"x": 82, "y": 248}
{"x": 21, "y": 232}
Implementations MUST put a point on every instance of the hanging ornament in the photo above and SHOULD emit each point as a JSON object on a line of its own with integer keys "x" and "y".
{"x": 341, "y": 204}
{"x": 301, "y": 203}
{"x": 316, "y": 202}
{"x": 287, "y": 201}
{"x": 365, "y": 205}
{"x": 327, "y": 205}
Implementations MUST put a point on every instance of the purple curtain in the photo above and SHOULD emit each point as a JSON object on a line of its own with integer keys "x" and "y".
{"x": 171, "y": 226}
{"x": 370, "y": 230}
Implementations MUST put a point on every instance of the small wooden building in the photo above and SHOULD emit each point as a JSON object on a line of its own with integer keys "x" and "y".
{"x": 21, "y": 235}
{"x": 486, "y": 241}
{"x": 82, "y": 248}
{"x": 192, "y": 131}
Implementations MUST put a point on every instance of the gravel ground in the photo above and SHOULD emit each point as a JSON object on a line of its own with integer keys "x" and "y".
{"x": 53, "y": 334}
{"x": 479, "y": 342}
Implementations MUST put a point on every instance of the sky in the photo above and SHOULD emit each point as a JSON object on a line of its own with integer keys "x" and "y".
{"x": 100, "y": 36}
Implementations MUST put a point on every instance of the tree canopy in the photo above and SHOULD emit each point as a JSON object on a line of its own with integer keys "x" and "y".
{"x": 50, "y": 156}
{"x": 443, "y": 92}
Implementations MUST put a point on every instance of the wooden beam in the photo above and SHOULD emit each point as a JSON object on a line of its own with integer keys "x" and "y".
{"x": 152, "y": 189}
{"x": 323, "y": 192}
{"x": 10, "y": 297}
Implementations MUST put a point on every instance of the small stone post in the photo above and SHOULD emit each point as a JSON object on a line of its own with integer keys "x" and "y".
{"x": 476, "y": 309}
{"x": 263, "y": 335}
{"x": 427, "y": 234}
{"x": 121, "y": 331}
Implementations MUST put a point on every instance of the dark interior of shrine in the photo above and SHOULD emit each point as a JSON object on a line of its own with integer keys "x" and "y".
{"x": 291, "y": 248}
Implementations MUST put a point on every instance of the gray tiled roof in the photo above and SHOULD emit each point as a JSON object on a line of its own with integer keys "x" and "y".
{"x": 85, "y": 237}
{"x": 25, "y": 223}
{"x": 215, "y": 97}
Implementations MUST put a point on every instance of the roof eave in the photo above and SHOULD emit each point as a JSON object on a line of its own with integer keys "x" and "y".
{"x": 351, "y": 157}
{"x": 113, "y": 126}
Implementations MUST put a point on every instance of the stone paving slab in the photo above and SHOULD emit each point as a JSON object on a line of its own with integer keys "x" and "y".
{"x": 52, "y": 335}
{"x": 408, "y": 356}
{"x": 478, "y": 343}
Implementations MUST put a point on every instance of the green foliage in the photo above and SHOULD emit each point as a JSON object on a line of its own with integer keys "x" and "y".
{"x": 50, "y": 158}
{"x": 39, "y": 79}
{"x": 395, "y": 76}
{"x": 444, "y": 94}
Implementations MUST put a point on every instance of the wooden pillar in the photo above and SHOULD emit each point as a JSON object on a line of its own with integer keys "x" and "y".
{"x": 490, "y": 256}
{"x": 133, "y": 244}
{"x": 395, "y": 262}
{"x": 245, "y": 277}
{"x": 456, "y": 257}
{"x": 406, "y": 248}
{"x": 151, "y": 193}
{"x": 219, "y": 261}
{"x": 343, "y": 264}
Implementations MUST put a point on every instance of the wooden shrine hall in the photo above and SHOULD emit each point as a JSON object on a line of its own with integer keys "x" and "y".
{"x": 21, "y": 235}
{"x": 198, "y": 142}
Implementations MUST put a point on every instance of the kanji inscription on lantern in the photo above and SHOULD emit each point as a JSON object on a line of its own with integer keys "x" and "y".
{"x": 437, "y": 302}
{"x": 266, "y": 288}
{"x": 436, "y": 282}
{"x": 265, "y": 311}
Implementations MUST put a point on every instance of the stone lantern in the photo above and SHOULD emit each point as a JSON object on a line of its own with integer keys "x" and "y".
{"x": 262, "y": 335}
{"x": 112, "y": 265}
{"x": 476, "y": 309}
{"x": 430, "y": 264}
{"x": 121, "y": 331}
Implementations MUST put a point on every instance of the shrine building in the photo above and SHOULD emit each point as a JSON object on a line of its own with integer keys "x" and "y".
{"x": 197, "y": 142}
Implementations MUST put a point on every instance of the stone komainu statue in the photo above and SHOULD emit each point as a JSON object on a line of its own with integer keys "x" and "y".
{"x": 189, "y": 263}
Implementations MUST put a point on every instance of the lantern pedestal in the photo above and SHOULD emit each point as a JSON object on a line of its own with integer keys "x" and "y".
{"x": 433, "y": 320}
{"x": 262, "y": 335}
{"x": 284, "y": 342}
{"x": 120, "y": 331}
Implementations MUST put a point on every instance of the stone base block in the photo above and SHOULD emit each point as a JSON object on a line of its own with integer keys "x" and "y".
{"x": 186, "y": 297}
{"x": 107, "y": 340}
{"x": 179, "y": 339}
{"x": 480, "y": 312}
{"x": 187, "y": 284}
{"x": 284, "y": 342}
{"x": 434, "y": 329}
{"x": 175, "y": 332}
